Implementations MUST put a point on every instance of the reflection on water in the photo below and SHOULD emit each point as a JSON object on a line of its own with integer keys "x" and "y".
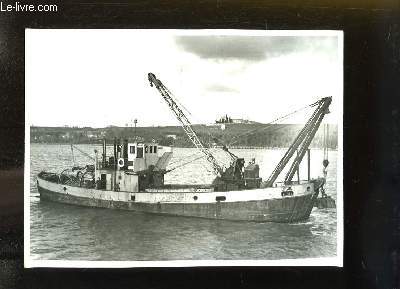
{"x": 68, "y": 232}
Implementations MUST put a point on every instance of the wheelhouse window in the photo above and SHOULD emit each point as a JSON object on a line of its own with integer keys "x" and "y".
{"x": 155, "y": 149}
{"x": 132, "y": 149}
{"x": 146, "y": 149}
{"x": 151, "y": 149}
{"x": 139, "y": 154}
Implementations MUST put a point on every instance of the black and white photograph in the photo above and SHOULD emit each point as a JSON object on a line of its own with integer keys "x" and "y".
{"x": 169, "y": 148}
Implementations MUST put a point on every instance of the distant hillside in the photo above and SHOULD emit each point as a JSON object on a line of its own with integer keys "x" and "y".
{"x": 276, "y": 135}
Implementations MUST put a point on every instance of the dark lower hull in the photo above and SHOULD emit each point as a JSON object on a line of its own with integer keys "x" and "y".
{"x": 283, "y": 210}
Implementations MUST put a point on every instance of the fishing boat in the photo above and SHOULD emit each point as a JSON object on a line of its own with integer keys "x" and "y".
{"x": 132, "y": 178}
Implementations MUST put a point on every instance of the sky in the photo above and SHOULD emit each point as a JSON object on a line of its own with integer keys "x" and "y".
{"x": 98, "y": 78}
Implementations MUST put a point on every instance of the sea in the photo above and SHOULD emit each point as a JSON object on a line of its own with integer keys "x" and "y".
{"x": 67, "y": 232}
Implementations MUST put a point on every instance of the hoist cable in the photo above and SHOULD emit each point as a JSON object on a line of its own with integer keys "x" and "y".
{"x": 326, "y": 140}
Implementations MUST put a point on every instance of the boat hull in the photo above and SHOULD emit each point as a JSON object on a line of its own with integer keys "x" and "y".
{"x": 274, "y": 209}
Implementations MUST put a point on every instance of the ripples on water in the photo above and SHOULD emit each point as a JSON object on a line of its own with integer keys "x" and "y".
{"x": 67, "y": 232}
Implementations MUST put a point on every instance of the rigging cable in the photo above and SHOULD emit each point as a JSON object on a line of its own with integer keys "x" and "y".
{"x": 213, "y": 150}
{"x": 73, "y": 156}
{"x": 82, "y": 152}
{"x": 268, "y": 125}
{"x": 186, "y": 163}
{"x": 175, "y": 99}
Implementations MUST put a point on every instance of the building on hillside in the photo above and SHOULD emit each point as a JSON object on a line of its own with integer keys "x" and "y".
{"x": 224, "y": 119}
{"x": 173, "y": 136}
{"x": 227, "y": 120}
{"x": 241, "y": 121}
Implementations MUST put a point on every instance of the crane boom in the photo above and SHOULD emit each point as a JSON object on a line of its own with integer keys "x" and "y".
{"x": 185, "y": 123}
{"x": 301, "y": 142}
{"x": 322, "y": 109}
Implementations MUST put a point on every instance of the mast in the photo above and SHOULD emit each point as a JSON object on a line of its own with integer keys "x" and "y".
{"x": 185, "y": 123}
{"x": 301, "y": 142}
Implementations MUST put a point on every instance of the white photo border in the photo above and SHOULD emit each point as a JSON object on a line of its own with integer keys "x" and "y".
{"x": 336, "y": 261}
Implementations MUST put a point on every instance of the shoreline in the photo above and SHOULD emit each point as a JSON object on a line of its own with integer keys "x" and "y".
{"x": 182, "y": 147}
